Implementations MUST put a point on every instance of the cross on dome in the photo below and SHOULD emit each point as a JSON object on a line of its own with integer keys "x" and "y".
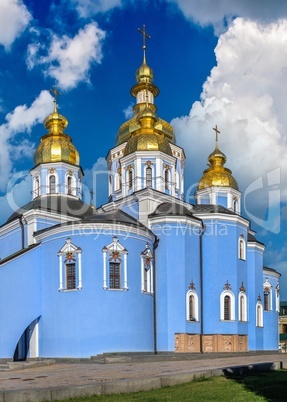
{"x": 144, "y": 35}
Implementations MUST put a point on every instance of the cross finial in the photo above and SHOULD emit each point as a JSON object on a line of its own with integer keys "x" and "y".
{"x": 92, "y": 197}
{"x": 145, "y": 35}
{"x": 55, "y": 93}
{"x": 216, "y": 134}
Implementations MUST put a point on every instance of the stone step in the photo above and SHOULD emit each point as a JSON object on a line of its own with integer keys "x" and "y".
{"x": 4, "y": 367}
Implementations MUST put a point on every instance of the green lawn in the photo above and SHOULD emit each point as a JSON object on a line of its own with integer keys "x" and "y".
{"x": 271, "y": 386}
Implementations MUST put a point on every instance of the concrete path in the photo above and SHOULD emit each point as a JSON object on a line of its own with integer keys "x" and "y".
{"x": 65, "y": 380}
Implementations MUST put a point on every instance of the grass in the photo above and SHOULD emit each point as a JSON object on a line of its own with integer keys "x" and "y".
{"x": 271, "y": 386}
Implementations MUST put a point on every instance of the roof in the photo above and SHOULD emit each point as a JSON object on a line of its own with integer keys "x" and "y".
{"x": 113, "y": 217}
{"x": 213, "y": 209}
{"x": 60, "y": 204}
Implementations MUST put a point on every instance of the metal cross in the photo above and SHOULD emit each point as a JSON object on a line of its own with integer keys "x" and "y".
{"x": 145, "y": 35}
{"x": 54, "y": 92}
{"x": 216, "y": 132}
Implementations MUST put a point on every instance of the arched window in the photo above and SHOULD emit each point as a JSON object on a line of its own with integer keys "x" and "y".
{"x": 259, "y": 314}
{"x": 267, "y": 295}
{"x": 191, "y": 306}
{"x": 235, "y": 204}
{"x": 115, "y": 272}
{"x": 241, "y": 248}
{"x": 69, "y": 185}
{"x": 130, "y": 179}
{"x": 242, "y": 306}
{"x": 70, "y": 267}
{"x": 118, "y": 181}
{"x": 227, "y": 306}
{"x": 266, "y": 301}
{"x": 166, "y": 179}
{"x": 52, "y": 184}
{"x": 149, "y": 176}
{"x": 147, "y": 270}
{"x": 37, "y": 187}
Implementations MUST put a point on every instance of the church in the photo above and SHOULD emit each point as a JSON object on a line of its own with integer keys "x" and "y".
{"x": 146, "y": 272}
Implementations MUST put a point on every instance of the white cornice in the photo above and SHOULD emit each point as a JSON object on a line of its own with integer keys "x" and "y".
{"x": 95, "y": 229}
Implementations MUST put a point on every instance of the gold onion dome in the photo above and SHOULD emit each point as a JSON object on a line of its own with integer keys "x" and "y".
{"x": 217, "y": 174}
{"x": 160, "y": 132}
{"x": 147, "y": 137}
{"x": 56, "y": 146}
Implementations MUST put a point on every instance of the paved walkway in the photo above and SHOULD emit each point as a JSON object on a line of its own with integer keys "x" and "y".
{"x": 65, "y": 380}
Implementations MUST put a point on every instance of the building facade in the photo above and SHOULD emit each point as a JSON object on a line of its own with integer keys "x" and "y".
{"x": 147, "y": 271}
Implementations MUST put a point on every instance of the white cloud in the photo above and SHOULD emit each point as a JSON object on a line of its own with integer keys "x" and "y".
{"x": 18, "y": 122}
{"x": 14, "y": 18}
{"x": 86, "y": 8}
{"x": 245, "y": 96}
{"x": 221, "y": 12}
{"x": 68, "y": 60}
{"x": 129, "y": 111}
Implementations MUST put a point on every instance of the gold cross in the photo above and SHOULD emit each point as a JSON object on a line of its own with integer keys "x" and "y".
{"x": 145, "y": 35}
{"x": 54, "y": 92}
{"x": 216, "y": 133}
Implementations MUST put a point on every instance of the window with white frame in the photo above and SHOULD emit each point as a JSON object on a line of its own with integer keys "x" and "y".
{"x": 259, "y": 313}
{"x": 148, "y": 176}
{"x": 166, "y": 178}
{"x": 241, "y": 248}
{"x": 52, "y": 184}
{"x": 227, "y": 304}
{"x": 191, "y": 305}
{"x": 267, "y": 295}
{"x": 147, "y": 270}
{"x": 37, "y": 186}
{"x": 242, "y": 306}
{"x": 115, "y": 275}
{"x": 70, "y": 267}
{"x": 130, "y": 179}
{"x": 277, "y": 298}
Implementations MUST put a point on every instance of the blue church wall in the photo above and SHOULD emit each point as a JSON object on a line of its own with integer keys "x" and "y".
{"x": 103, "y": 320}
{"x": 221, "y": 272}
{"x": 11, "y": 242}
{"x": 270, "y": 318}
{"x": 255, "y": 282}
{"x": 20, "y": 298}
{"x": 177, "y": 264}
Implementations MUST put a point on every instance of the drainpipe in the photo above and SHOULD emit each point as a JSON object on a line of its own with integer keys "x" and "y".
{"x": 154, "y": 298}
{"x": 201, "y": 285}
{"x": 22, "y": 221}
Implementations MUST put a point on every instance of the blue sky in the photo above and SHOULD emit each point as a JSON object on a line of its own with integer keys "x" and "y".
{"x": 218, "y": 62}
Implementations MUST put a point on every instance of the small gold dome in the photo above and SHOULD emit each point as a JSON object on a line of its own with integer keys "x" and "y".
{"x": 217, "y": 174}
{"x": 144, "y": 74}
{"x": 56, "y": 146}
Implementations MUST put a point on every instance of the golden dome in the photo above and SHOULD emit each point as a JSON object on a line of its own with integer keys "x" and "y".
{"x": 136, "y": 125}
{"x": 56, "y": 146}
{"x": 147, "y": 137}
{"x": 217, "y": 174}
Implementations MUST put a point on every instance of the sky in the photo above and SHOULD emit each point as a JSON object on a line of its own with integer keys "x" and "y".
{"x": 216, "y": 62}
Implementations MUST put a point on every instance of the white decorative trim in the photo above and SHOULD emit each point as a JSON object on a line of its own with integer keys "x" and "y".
{"x": 73, "y": 251}
{"x": 259, "y": 315}
{"x": 194, "y": 294}
{"x": 242, "y": 313}
{"x": 232, "y": 305}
